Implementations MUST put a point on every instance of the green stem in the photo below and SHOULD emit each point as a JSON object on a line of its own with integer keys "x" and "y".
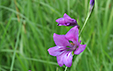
{"x": 85, "y": 22}
{"x": 65, "y": 68}
{"x": 16, "y": 45}
{"x": 86, "y": 19}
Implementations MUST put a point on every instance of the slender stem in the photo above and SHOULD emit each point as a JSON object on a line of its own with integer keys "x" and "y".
{"x": 91, "y": 8}
{"x": 65, "y": 68}
{"x": 85, "y": 22}
{"x": 16, "y": 45}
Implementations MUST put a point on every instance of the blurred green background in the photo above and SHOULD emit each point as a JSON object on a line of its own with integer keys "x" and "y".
{"x": 27, "y": 27}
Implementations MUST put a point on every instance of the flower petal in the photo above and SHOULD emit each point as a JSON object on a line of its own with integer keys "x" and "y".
{"x": 67, "y": 21}
{"x": 66, "y": 16}
{"x": 67, "y": 60}
{"x": 60, "y": 60}
{"x": 72, "y": 35}
{"x": 92, "y": 2}
{"x": 57, "y": 50}
{"x": 60, "y": 40}
{"x": 80, "y": 49}
{"x": 61, "y": 21}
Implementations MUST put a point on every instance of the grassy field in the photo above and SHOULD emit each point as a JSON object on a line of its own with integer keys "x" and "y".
{"x": 27, "y": 27}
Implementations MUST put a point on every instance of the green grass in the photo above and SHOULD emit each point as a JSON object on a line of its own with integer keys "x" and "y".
{"x": 27, "y": 27}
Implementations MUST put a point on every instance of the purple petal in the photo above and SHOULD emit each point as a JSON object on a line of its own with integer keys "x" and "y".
{"x": 57, "y": 50}
{"x": 69, "y": 19}
{"x": 60, "y": 60}
{"x": 68, "y": 59}
{"x": 92, "y": 2}
{"x": 65, "y": 58}
{"x": 60, "y": 40}
{"x": 66, "y": 16}
{"x": 72, "y": 35}
{"x": 72, "y": 22}
{"x": 60, "y": 20}
{"x": 80, "y": 49}
{"x": 68, "y": 24}
{"x": 66, "y": 21}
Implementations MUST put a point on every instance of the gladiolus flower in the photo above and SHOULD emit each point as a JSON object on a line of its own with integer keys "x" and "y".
{"x": 64, "y": 48}
{"x": 92, "y": 2}
{"x": 66, "y": 21}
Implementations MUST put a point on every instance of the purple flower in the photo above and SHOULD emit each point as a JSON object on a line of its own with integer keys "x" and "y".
{"x": 66, "y": 21}
{"x": 64, "y": 49}
{"x": 91, "y": 4}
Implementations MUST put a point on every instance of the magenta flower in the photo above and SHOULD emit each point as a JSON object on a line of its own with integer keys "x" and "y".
{"x": 66, "y": 21}
{"x": 63, "y": 49}
{"x": 91, "y": 4}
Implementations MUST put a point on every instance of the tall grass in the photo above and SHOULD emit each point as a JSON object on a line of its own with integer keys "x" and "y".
{"x": 27, "y": 27}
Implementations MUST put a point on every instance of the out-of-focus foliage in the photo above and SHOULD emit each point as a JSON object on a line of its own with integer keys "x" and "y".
{"x": 27, "y": 27}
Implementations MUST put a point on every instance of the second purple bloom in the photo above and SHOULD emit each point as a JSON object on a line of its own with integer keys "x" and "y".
{"x": 66, "y": 21}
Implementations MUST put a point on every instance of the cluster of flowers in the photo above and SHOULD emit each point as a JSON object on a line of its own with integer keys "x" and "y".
{"x": 64, "y": 49}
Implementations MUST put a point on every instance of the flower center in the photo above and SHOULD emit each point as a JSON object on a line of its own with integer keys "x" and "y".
{"x": 72, "y": 44}
{"x": 73, "y": 47}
